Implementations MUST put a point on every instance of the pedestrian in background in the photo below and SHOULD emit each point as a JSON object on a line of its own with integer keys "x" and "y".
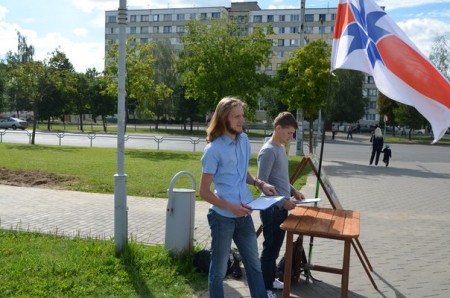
{"x": 225, "y": 163}
{"x": 387, "y": 154}
{"x": 377, "y": 145}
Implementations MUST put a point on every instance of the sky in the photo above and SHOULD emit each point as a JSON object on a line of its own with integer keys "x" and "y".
{"x": 77, "y": 27}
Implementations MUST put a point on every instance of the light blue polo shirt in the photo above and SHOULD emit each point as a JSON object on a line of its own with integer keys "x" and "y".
{"x": 228, "y": 160}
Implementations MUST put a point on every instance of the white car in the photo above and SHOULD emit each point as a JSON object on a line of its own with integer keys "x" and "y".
{"x": 13, "y": 123}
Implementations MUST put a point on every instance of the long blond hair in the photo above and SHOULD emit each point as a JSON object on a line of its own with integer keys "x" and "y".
{"x": 218, "y": 123}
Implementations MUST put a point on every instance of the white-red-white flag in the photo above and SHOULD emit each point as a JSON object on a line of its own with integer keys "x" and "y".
{"x": 366, "y": 39}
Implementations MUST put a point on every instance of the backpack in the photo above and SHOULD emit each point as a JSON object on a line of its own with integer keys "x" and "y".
{"x": 202, "y": 260}
{"x": 298, "y": 257}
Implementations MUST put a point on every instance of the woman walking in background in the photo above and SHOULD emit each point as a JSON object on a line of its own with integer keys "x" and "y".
{"x": 377, "y": 145}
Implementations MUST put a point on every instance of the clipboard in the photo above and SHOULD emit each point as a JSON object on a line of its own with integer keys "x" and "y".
{"x": 264, "y": 202}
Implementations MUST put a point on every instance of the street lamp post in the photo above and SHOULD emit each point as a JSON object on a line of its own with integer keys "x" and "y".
{"x": 300, "y": 117}
{"x": 120, "y": 179}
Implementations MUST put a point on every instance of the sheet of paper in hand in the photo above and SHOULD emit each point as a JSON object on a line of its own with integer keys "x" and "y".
{"x": 264, "y": 202}
{"x": 307, "y": 201}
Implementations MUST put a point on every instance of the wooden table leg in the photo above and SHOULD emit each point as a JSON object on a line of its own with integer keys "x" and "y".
{"x": 345, "y": 269}
{"x": 288, "y": 265}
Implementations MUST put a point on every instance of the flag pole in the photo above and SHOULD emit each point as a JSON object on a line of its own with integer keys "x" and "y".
{"x": 311, "y": 241}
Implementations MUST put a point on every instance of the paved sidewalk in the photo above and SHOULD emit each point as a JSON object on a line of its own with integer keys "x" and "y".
{"x": 405, "y": 226}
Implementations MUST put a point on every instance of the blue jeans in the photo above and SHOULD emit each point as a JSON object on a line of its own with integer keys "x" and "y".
{"x": 273, "y": 240}
{"x": 242, "y": 231}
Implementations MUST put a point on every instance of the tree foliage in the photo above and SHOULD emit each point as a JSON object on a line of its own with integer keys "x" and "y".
{"x": 304, "y": 79}
{"x": 348, "y": 104}
{"x": 141, "y": 88}
{"x": 220, "y": 59}
{"x": 440, "y": 55}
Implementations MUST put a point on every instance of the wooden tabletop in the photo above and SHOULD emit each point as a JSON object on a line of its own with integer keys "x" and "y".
{"x": 323, "y": 222}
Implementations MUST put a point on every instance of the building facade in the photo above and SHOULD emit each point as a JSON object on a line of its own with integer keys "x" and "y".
{"x": 148, "y": 25}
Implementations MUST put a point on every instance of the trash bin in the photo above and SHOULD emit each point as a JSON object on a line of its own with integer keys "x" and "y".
{"x": 180, "y": 216}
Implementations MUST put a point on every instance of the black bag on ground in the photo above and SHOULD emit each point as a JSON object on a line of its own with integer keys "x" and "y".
{"x": 298, "y": 257}
{"x": 203, "y": 258}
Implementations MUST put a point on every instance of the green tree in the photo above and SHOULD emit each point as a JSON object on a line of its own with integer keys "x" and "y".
{"x": 348, "y": 104}
{"x": 165, "y": 73}
{"x": 62, "y": 94}
{"x": 387, "y": 106}
{"x": 440, "y": 55}
{"x": 304, "y": 80}
{"x": 17, "y": 100}
{"x": 100, "y": 102}
{"x": 219, "y": 59}
{"x": 409, "y": 116}
{"x": 141, "y": 88}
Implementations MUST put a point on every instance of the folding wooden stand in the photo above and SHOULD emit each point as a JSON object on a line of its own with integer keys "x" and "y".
{"x": 334, "y": 201}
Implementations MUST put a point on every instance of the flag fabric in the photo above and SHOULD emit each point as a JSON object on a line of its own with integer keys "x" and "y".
{"x": 368, "y": 40}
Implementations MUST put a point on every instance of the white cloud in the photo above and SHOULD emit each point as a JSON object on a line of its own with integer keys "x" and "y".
{"x": 80, "y": 32}
{"x": 395, "y": 4}
{"x": 423, "y": 31}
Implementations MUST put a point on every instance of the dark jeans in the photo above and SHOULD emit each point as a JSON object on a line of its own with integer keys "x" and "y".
{"x": 375, "y": 153}
{"x": 273, "y": 240}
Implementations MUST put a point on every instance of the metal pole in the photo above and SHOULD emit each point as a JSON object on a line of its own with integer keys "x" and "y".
{"x": 120, "y": 179}
{"x": 299, "y": 134}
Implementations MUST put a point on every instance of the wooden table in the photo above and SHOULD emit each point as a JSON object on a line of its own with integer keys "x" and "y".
{"x": 322, "y": 223}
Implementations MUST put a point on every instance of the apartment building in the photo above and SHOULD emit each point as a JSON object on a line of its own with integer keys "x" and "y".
{"x": 169, "y": 23}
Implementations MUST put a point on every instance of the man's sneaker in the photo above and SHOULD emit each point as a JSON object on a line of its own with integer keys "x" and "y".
{"x": 270, "y": 294}
{"x": 278, "y": 285}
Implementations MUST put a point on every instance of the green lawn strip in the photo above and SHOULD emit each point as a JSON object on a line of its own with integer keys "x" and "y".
{"x": 36, "y": 265}
{"x": 149, "y": 172}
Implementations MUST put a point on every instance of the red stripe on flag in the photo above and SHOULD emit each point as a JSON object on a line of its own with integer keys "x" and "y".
{"x": 344, "y": 16}
{"x": 414, "y": 70}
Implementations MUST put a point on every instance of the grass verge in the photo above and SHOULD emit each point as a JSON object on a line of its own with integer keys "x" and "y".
{"x": 37, "y": 265}
{"x": 149, "y": 172}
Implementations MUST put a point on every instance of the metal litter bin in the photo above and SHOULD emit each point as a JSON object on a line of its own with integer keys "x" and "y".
{"x": 180, "y": 216}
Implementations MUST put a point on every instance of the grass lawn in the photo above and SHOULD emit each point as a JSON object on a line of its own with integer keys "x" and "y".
{"x": 149, "y": 172}
{"x": 36, "y": 265}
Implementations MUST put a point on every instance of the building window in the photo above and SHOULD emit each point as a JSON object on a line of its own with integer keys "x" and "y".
{"x": 181, "y": 29}
{"x": 280, "y": 43}
{"x": 295, "y": 18}
{"x": 308, "y": 30}
{"x": 111, "y": 19}
{"x": 270, "y": 19}
{"x": 322, "y": 17}
{"x": 144, "y": 40}
{"x": 144, "y": 30}
{"x": 281, "y": 30}
{"x": 372, "y": 92}
{"x": 192, "y": 16}
{"x": 133, "y": 30}
{"x": 215, "y": 15}
{"x": 110, "y": 42}
{"x": 203, "y": 16}
{"x": 294, "y": 29}
{"x": 333, "y": 17}
{"x": 280, "y": 54}
{"x": 180, "y": 17}
{"x": 257, "y": 19}
{"x": 281, "y": 18}
{"x": 240, "y": 19}
{"x": 155, "y": 29}
{"x": 372, "y": 105}
{"x": 322, "y": 29}
{"x": 167, "y": 17}
{"x": 145, "y": 18}
{"x": 293, "y": 42}
{"x": 370, "y": 80}
{"x": 156, "y": 18}
{"x": 269, "y": 66}
{"x": 278, "y": 65}
{"x": 133, "y": 18}
{"x": 309, "y": 17}
{"x": 167, "y": 29}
